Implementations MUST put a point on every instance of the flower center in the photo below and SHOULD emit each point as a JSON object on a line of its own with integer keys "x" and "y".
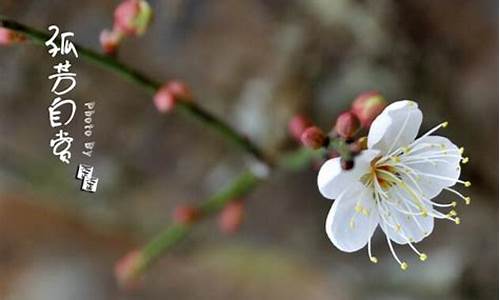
{"x": 381, "y": 175}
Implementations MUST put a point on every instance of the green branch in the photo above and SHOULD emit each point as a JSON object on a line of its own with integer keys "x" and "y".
{"x": 150, "y": 85}
{"x": 176, "y": 232}
{"x": 244, "y": 184}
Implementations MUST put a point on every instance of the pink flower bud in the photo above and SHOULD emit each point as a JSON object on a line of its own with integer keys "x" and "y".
{"x": 367, "y": 106}
{"x": 186, "y": 214}
{"x": 171, "y": 92}
{"x": 297, "y": 125}
{"x": 127, "y": 270}
{"x": 110, "y": 40}
{"x": 231, "y": 217}
{"x": 347, "y": 124}
{"x": 132, "y": 17}
{"x": 9, "y": 37}
{"x": 313, "y": 137}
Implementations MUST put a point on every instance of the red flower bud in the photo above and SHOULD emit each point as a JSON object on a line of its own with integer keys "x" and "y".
{"x": 313, "y": 137}
{"x": 231, "y": 217}
{"x": 186, "y": 214}
{"x": 127, "y": 270}
{"x": 367, "y": 106}
{"x": 347, "y": 124}
{"x": 110, "y": 40}
{"x": 297, "y": 125}
{"x": 132, "y": 17}
{"x": 9, "y": 37}
{"x": 171, "y": 92}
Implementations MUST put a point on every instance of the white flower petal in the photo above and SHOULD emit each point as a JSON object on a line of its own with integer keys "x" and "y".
{"x": 440, "y": 160}
{"x": 401, "y": 226}
{"x": 333, "y": 180}
{"x": 352, "y": 219}
{"x": 396, "y": 126}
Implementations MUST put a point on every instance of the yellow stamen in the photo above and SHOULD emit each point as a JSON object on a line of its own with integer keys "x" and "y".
{"x": 467, "y": 200}
{"x": 444, "y": 124}
{"x": 461, "y": 150}
{"x": 465, "y": 160}
{"x": 404, "y": 266}
{"x": 467, "y": 183}
{"x": 373, "y": 259}
{"x": 457, "y": 220}
{"x": 423, "y": 257}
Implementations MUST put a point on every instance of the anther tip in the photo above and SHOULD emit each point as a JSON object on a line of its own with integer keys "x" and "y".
{"x": 465, "y": 160}
{"x": 461, "y": 150}
{"x": 373, "y": 259}
{"x": 457, "y": 220}
{"x": 444, "y": 124}
{"x": 404, "y": 266}
{"x": 467, "y": 183}
{"x": 467, "y": 200}
{"x": 454, "y": 203}
{"x": 423, "y": 257}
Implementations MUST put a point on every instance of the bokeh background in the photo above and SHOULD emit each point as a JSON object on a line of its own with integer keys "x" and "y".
{"x": 254, "y": 63}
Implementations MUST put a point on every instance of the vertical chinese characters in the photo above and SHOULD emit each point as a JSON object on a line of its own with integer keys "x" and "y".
{"x": 62, "y": 110}
{"x": 63, "y": 82}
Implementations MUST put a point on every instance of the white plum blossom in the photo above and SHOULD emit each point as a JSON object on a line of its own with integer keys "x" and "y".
{"x": 392, "y": 184}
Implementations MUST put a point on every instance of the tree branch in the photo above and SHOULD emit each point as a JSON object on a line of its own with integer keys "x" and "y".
{"x": 150, "y": 85}
{"x": 244, "y": 184}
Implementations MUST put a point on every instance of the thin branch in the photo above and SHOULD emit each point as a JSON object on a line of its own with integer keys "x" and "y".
{"x": 244, "y": 184}
{"x": 176, "y": 232}
{"x": 150, "y": 85}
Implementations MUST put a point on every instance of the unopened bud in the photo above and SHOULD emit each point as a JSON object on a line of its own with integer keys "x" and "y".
{"x": 231, "y": 217}
{"x": 367, "y": 106}
{"x": 171, "y": 92}
{"x": 347, "y": 164}
{"x": 128, "y": 268}
{"x": 132, "y": 17}
{"x": 110, "y": 40}
{"x": 186, "y": 214}
{"x": 9, "y": 37}
{"x": 297, "y": 125}
{"x": 347, "y": 124}
{"x": 313, "y": 137}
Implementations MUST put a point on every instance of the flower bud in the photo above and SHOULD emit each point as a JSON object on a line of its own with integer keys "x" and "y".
{"x": 9, "y": 37}
{"x": 231, "y": 217}
{"x": 347, "y": 124}
{"x": 346, "y": 164}
{"x": 297, "y": 125}
{"x": 367, "y": 106}
{"x": 186, "y": 214}
{"x": 171, "y": 92}
{"x": 313, "y": 137}
{"x": 132, "y": 17}
{"x": 127, "y": 270}
{"x": 110, "y": 40}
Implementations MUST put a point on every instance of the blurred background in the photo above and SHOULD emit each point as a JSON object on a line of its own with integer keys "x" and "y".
{"x": 254, "y": 63}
